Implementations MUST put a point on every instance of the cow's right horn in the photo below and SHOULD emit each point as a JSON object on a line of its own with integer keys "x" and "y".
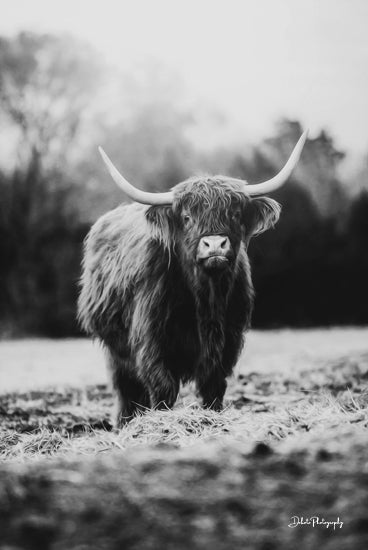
{"x": 284, "y": 174}
{"x": 144, "y": 197}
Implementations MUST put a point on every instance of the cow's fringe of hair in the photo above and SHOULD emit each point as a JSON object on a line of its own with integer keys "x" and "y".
{"x": 209, "y": 191}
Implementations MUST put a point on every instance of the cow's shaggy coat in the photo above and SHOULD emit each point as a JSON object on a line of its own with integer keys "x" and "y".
{"x": 162, "y": 317}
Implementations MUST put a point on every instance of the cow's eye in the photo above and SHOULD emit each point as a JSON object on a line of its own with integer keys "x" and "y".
{"x": 236, "y": 215}
{"x": 187, "y": 219}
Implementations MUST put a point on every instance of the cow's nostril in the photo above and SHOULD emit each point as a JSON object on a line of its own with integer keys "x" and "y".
{"x": 206, "y": 243}
{"x": 224, "y": 243}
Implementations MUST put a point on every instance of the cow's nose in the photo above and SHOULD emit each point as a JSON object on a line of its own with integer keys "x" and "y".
{"x": 213, "y": 245}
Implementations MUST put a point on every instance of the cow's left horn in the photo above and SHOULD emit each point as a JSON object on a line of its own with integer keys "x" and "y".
{"x": 278, "y": 180}
{"x": 145, "y": 197}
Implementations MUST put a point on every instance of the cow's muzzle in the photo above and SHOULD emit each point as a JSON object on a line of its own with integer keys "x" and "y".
{"x": 214, "y": 252}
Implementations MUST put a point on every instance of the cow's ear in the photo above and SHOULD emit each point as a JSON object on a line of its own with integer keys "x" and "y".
{"x": 261, "y": 214}
{"x": 161, "y": 219}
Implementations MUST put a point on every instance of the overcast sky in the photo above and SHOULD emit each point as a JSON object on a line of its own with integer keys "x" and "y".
{"x": 253, "y": 59}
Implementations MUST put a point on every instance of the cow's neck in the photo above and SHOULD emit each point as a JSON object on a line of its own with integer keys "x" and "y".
{"x": 211, "y": 306}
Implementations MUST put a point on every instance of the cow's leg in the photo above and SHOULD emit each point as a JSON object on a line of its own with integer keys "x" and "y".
{"x": 212, "y": 390}
{"x": 162, "y": 385}
{"x": 132, "y": 396}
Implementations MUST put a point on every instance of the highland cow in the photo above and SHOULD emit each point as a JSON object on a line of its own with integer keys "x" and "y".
{"x": 167, "y": 288}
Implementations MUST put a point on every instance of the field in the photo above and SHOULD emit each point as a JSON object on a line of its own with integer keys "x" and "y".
{"x": 292, "y": 442}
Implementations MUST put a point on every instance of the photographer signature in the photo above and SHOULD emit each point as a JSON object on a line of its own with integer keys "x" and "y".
{"x": 315, "y": 521}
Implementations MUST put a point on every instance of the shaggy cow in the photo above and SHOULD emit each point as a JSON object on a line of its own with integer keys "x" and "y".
{"x": 167, "y": 287}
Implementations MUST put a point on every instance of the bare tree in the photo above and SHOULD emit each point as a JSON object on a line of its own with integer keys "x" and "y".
{"x": 46, "y": 84}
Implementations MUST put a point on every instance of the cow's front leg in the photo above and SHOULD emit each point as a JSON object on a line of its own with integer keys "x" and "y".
{"x": 212, "y": 389}
{"x": 162, "y": 385}
{"x": 132, "y": 396}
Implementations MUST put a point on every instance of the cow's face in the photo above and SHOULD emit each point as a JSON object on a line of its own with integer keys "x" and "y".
{"x": 209, "y": 220}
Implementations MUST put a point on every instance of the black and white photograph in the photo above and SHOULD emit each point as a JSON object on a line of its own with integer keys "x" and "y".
{"x": 184, "y": 275}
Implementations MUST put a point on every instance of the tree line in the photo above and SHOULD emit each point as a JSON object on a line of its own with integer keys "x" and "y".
{"x": 311, "y": 270}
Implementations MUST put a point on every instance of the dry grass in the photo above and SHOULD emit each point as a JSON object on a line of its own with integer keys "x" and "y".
{"x": 189, "y": 425}
{"x": 292, "y": 439}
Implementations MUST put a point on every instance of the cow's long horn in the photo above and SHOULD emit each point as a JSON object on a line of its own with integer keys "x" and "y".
{"x": 278, "y": 180}
{"x": 137, "y": 195}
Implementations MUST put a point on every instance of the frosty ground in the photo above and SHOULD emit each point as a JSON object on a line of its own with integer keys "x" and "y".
{"x": 292, "y": 441}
